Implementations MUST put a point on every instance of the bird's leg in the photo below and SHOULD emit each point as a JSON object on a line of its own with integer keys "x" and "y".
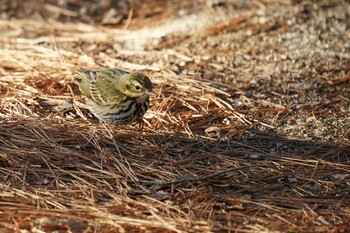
{"x": 141, "y": 125}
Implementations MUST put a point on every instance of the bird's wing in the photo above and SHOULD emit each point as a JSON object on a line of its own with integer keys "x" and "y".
{"x": 104, "y": 90}
{"x": 84, "y": 79}
{"x": 98, "y": 85}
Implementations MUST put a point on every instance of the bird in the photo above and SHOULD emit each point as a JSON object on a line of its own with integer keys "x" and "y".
{"x": 115, "y": 96}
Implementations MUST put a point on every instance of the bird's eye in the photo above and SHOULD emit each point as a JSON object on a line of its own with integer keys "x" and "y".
{"x": 137, "y": 87}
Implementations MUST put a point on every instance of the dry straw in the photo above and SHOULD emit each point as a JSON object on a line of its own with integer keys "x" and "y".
{"x": 198, "y": 165}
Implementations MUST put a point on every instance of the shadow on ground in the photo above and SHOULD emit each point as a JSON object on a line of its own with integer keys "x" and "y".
{"x": 104, "y": 171}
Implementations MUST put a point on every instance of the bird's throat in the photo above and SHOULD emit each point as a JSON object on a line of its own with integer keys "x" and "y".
{"x": 142, "y": 99}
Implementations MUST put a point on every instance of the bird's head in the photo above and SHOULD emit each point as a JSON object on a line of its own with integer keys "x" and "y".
{"x": 137, "y": 85}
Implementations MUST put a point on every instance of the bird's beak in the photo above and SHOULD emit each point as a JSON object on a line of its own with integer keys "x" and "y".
{"x": 151, "y": 93}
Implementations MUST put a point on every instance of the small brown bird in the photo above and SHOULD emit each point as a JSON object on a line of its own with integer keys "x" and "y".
{"x": 115, "y": 96}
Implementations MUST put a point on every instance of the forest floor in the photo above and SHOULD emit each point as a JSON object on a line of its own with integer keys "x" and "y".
{"x": 250, "y": 131}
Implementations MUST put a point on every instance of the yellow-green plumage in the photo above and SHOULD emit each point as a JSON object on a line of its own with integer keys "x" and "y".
{"x": 115, "y": 96}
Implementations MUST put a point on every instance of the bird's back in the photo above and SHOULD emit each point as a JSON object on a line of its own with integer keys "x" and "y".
{"x": 87, "y": 77}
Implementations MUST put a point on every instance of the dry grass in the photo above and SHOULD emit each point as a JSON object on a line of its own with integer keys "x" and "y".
{"x": 223, "y": 149}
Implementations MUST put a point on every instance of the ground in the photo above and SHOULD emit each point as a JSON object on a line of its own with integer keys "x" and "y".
{"x": 249, "y": 132}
